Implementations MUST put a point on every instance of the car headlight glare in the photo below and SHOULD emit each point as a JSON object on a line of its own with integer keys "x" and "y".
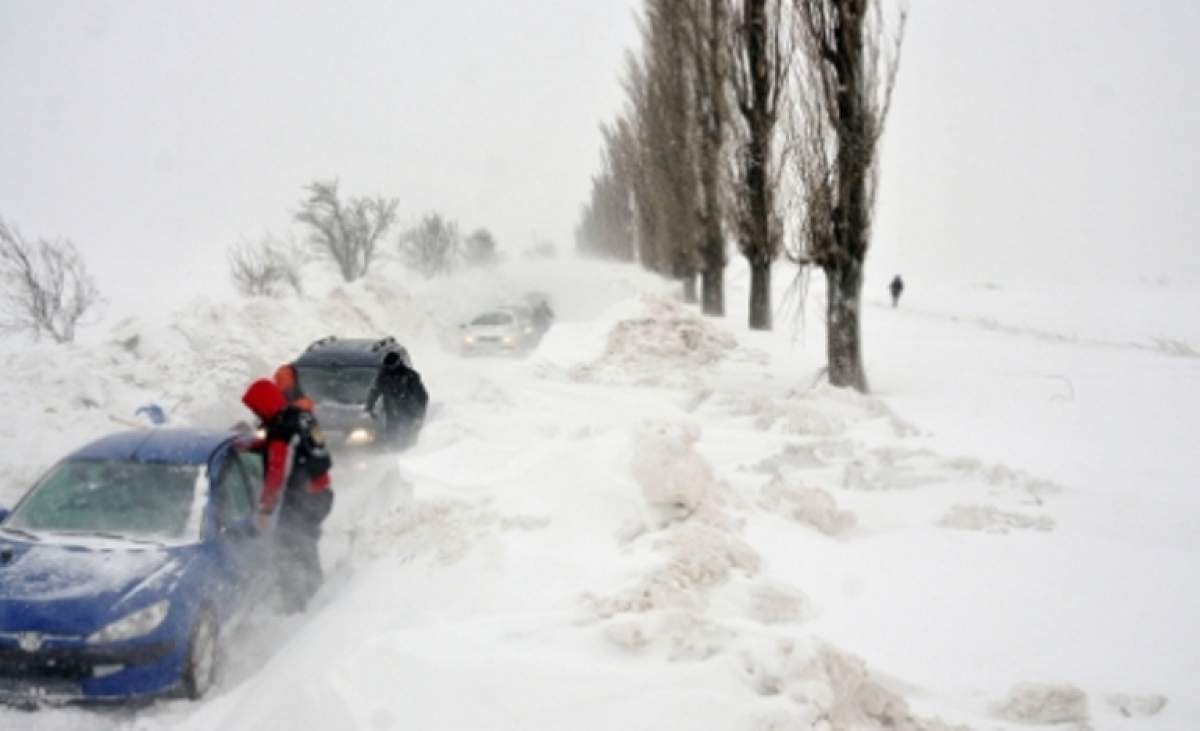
{"x": 468, "y": 339}
{"x": 508, "y": 340}
{"x": 139, "y": 623}
{"x": 360, "y": 436}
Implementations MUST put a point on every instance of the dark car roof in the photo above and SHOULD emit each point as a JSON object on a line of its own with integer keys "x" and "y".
{"x": 350, "y": 352}
{"x": 172, "y": 446}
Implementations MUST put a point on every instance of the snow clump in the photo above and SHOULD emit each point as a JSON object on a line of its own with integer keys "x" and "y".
{"x": 1043, "y": 703}
{"x": 810, "y": 505}
{"x": 674, "y": 477}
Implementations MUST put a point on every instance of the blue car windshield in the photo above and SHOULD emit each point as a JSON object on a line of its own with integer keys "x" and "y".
{"x": 342, "y": 384}
{"x": 126, "y": 499}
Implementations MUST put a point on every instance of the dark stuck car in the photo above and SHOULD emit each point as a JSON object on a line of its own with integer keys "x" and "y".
{"x": 344, "y": 377}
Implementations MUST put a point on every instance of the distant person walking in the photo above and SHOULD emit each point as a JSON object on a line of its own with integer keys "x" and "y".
{"x": 896, "y": 288}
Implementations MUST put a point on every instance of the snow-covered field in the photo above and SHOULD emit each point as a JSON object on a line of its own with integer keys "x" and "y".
{"x": 663, "y": 521}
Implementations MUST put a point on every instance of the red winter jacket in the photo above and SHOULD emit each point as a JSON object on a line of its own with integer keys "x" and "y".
{"x": 270, "y": 404}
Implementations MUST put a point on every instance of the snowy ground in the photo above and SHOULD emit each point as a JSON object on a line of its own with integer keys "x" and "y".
{"x": 658, "y": 521}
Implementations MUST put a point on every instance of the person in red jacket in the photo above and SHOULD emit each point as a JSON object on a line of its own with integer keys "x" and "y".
{"x": 296, "y": 488}
{"x": 289, "y": 383}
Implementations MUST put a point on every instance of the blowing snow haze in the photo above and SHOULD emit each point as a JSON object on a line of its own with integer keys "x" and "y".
{"x": 157, "y": 134}
{"x": 1027, "y": 139}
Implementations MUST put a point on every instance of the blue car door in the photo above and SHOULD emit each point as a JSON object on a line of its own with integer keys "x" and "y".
{"x": 240, "y": 545}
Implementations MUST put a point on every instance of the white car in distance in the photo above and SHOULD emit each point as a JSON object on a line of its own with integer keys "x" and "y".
{"x": 504, "y": 330}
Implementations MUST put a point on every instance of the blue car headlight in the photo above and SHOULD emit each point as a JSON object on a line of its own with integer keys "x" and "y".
{"x": 139, "y": 623}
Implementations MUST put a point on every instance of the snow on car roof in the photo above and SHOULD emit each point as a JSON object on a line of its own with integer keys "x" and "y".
{"x": 172, "y": 446}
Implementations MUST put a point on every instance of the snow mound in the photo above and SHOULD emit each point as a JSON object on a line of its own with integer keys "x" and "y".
{"x": 822, "y": 411}
{"x": 810, "y": 505}
{"x": 663, "y": 345}
{"x": 698, "y": 558}
{"x": 990, "y": 519}
{"x": 823, "y": 687}
{"x": 1136, "y": 706}
{"x": 1042, "y": 703}
{"x": 675, "y": 479}
{"x": 772, "y": 603}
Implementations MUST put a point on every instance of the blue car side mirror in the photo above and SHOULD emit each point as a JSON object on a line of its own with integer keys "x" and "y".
{"x": 3, "y": 514}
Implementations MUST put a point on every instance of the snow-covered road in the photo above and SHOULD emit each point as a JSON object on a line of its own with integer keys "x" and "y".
{"x": 656, "y": 522}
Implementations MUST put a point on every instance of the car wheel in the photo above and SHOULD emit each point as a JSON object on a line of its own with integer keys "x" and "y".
{"x": 200, "y": 668}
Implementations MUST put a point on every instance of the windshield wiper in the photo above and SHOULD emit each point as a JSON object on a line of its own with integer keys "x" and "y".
{"x": 19, "y": 532}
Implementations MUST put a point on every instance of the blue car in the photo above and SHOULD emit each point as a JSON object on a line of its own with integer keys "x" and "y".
{"x": 121, "y": 568}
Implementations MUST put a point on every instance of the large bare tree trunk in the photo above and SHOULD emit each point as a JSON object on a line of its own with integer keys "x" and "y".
{"x": 712, "y": 292}
{"x": 760, "y": 295}
{"x": 762, "y": 54}
{"x": 689, "y": 289}
{"x": 843, "y": 339}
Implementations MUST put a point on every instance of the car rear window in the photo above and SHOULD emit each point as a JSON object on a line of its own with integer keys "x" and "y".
{"x": 493, "y": 318}
{"x": 342, "y": 384}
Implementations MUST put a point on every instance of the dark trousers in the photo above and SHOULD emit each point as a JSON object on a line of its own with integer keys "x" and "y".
{"x": 297, "y": 535}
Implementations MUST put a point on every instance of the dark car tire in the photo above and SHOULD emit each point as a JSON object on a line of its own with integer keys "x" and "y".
{"x": 200, "y": 666}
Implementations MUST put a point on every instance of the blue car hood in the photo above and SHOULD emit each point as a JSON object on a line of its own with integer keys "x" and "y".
{"x": 65, "y": 589}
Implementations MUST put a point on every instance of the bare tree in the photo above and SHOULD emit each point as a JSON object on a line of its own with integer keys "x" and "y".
{"x": 479, "y": 249}
{"x": 667, "y": 146}
{"x": 433, "y": 246}
{"x": 762, "y": 60}
{"x": 47, "y": 288}
{"x": 261, "y": 269}
{"x": 845, "y": 90}
{"x": 606, "y": 225}
{"x": 708, "y": 29}
{"x": 348, "y": 232}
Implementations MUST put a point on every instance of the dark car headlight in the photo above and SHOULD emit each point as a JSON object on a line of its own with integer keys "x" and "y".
{"x": 133, "y": 625}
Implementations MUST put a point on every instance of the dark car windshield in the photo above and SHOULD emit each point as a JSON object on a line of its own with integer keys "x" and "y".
{"x": 344, "y": 385}
{"x": 493, "y": 318}
{"x": 128, "y": 499}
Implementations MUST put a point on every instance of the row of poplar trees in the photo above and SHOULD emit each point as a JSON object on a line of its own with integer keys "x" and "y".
{"x": 756, "y": 122}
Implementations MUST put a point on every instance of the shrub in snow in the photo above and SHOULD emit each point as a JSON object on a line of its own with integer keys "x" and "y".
{"x": 347, "y": 231}
{"x": 810, "y": 505}
{"x": 264, "y": 268}
{"x": 45, "y": 287}
{"x": 1044, "y": 703}
{"x": 433, "y": 247}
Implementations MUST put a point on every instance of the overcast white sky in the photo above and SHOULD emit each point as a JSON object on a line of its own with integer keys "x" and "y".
{"x": 1056, "y": 138}
{"x": 1045, "y": 139}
